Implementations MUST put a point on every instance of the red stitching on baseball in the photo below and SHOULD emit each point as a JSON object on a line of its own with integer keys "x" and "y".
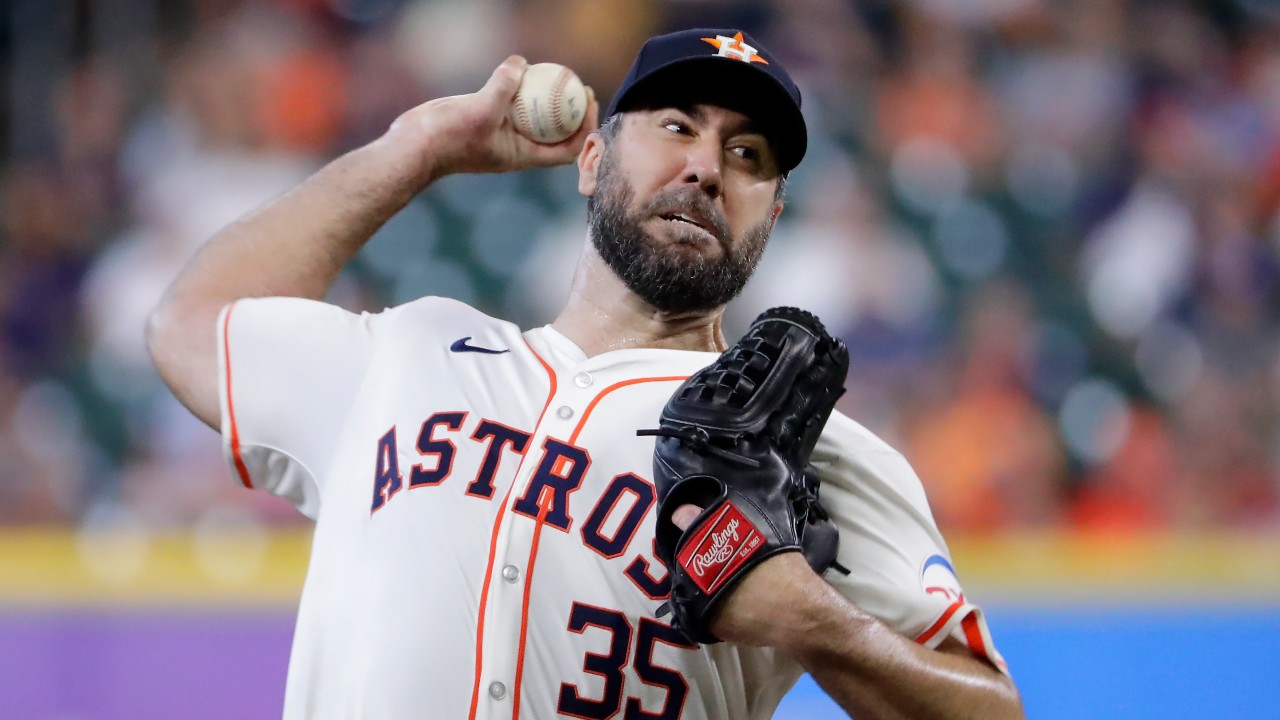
{"x": 557, "y": 94}
{"x": 522, "y": 120}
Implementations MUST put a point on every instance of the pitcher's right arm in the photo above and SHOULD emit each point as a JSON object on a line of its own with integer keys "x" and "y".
{"x": 296, "y": 245}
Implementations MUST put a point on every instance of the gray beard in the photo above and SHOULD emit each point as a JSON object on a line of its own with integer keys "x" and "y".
{"x": 670, "y": 281}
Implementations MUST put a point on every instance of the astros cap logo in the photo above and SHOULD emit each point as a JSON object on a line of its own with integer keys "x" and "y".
{"x": 733, "y": 47}
{"x": 678, "y": 67}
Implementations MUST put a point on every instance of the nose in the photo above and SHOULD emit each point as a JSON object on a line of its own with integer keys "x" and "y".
{"x": 703, "y": 167}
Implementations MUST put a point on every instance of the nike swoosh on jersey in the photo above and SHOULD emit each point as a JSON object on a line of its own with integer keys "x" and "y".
{"x": 460, "y": 345}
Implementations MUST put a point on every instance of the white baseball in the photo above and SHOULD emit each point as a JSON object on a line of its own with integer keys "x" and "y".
{"x": 550, "y": 104}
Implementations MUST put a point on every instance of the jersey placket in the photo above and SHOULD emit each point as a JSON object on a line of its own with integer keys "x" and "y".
{"x": 514, "y": 557}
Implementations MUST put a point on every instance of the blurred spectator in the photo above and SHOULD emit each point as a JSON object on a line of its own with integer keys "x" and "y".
{"x": 43, "y": 260}
{"x": 1137, "y": 488}
{"x": 987, "y": 453}
{"x": 1050, "y": 232}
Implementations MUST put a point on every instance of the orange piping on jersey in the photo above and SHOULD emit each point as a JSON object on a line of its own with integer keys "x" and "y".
{"x": 973, "y": 634}
{"x": 592, "y": 405}
{"x": 493, "y": 539}
{"x": 925, "y": 636}
{"x": 544, "y": 503}
{"x": 231, "y": 412}
{"x": 533, "y": 552}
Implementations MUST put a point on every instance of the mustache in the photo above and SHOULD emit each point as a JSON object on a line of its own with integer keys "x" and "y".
{"x": 691, "y": 201}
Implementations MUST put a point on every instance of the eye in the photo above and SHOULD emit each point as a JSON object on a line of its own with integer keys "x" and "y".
{"x": 753, "y": 156}
{"x": 749, "y": 154}
{"x": 680, "y": 127}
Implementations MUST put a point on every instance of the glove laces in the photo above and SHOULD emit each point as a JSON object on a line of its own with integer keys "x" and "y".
{"x": 801, "y": 494}
{"x": 700, "y": 441}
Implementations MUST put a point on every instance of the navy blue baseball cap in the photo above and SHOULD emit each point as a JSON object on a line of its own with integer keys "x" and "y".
{"x": 719, "y": 67}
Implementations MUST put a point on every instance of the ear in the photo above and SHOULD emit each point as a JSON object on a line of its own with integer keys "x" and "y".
{"x": 589, "y": 164}
{"x": 777, "y": 210}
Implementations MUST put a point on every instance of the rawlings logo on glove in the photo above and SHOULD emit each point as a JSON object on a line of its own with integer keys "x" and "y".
{"x": 735, "y": 440}
{"x": 710, "y": 567}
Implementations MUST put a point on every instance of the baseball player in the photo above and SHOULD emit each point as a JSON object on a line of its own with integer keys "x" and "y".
{"x": 484, "y": 510}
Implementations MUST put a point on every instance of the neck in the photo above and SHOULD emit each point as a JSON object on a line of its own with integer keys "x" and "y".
{"x": 602, "y": 314}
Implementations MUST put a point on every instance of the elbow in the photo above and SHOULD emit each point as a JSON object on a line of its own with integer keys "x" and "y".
{"x": 1010, "y": 700}
{"x": 158, "y": 333}
{"x": 182, "y": 342}
{"x": 179, "y": 336}
{"x": 152, "y": 331}
{"x": 1018, "y": 712}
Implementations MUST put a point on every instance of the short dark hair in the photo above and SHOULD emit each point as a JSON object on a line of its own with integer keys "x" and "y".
{"x": 608, "y": 131}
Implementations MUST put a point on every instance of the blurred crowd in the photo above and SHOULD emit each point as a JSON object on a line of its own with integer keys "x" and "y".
{"x": 1048, "y": 231}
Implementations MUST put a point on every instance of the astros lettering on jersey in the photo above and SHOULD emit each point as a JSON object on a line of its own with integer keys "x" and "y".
{"x": 485, "y": 519}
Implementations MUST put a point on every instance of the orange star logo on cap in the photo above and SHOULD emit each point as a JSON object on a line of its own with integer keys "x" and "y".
{"x": 733, "y": 47}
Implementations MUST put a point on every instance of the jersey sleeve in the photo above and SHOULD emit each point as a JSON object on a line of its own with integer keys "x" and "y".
{"x": 900, "y": 568}
{"x": 288, "y": 372}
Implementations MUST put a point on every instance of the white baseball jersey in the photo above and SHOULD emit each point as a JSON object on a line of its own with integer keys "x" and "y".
{"x": 485, "y": 520}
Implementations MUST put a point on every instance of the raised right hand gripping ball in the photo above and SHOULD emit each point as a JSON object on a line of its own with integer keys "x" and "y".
{"x": 735, "y": 440}
{"x": 550, "y": 104}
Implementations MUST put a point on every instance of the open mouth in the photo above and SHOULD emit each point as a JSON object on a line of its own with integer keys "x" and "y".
{"x": 686, "y": 219}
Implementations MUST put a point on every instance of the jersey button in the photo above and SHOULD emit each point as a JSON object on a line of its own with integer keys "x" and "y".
{"x": 582, "y": 380}
{"x": 511, "y": 573}
{"x": 497, "y": 690}
{"x": 564, "y": 412}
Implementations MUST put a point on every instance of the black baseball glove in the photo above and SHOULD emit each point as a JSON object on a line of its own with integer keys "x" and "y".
{"x": 735, "y": 440}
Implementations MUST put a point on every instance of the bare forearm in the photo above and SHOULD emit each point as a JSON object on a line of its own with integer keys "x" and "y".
{"x": 294, "y": 246}
{"x": 875, "y": 673}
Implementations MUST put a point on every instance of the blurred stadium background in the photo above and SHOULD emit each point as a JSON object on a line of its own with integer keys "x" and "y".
{"x": 1048, "y": 231}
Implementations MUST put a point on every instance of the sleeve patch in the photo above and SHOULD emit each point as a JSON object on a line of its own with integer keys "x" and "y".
{"x": 938, "y": 577}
